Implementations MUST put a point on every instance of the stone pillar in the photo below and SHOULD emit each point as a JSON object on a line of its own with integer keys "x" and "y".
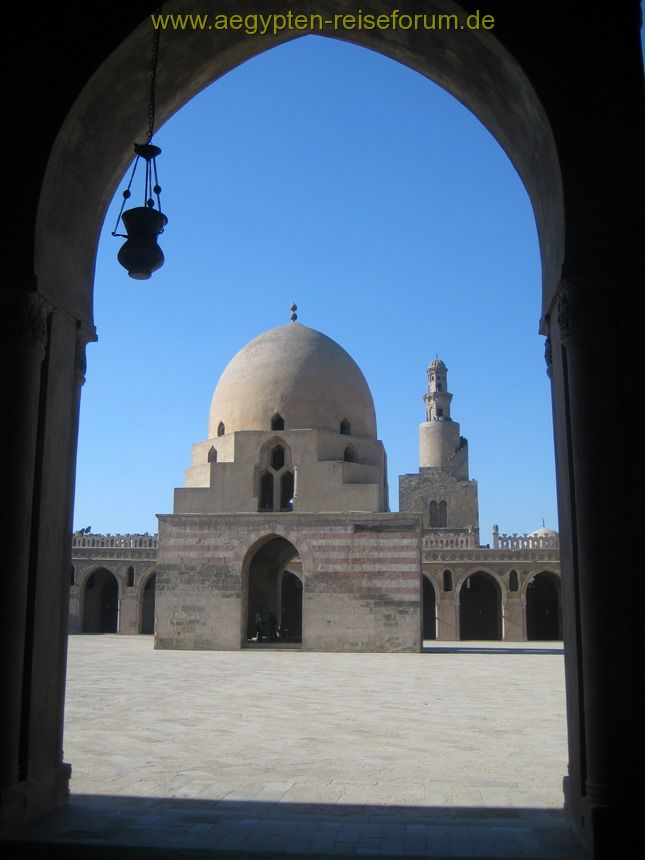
{"x": 447, "y": 616}
{"x": 602, "y": 633}
{"x": 514, "y": 628}
{"x": 46, "y": 368}
{"x": 74, "y": 623}
{"x": 25, "y": 339}
{"x": 129, "y": 611}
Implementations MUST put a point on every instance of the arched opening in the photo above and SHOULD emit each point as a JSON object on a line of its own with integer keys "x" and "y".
{"x": 130, "y": 577}
{"x": 480, "y": 608}
{"x": 443, "y": 515}
{"x": 447, "y": 580}
{"x": 273, "y": 594}
{"x": 221, "y": 429}
{"x": 148, "y": 605}
{"x": 513, "y": 581}
{"x": 212, "y": 455}
{"x": 100, "y": 603}
{"x": 277, "y": 422}
{"x": 345, "y": 427}
{"x": 543, "y": 609}
{"x": 286, "y": 491}
{"x": 266, "y": 492}
{"x": 349, "y": 454}
{"x": 429, "y": 609}
{"x": 277, "y": 458}
{"x": 433, "y": 514}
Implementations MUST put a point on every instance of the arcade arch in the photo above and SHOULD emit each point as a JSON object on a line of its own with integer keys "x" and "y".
{"x": 543, "y": 607}
{"x": 480, "y": 607}
{"x": 100, "y": 602}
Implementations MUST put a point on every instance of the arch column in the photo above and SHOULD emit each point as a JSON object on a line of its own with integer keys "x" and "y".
{"x": 447, "y": 616}
{"x": 45, "y": 362}
{"x": 513, "y": 627}
{"x": 129, "y": 610}
{"x": 604, "y": 789}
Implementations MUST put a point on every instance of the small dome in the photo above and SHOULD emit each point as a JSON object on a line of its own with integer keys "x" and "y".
{"x": 436, "y": 362}
{"x": 543, "y": 532}
{"x": 299, "y": 374}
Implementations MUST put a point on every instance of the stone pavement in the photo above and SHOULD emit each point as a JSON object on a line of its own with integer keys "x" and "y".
{"x": 456, "y": 752}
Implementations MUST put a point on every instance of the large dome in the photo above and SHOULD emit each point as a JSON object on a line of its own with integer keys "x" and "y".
{"x": 298, "y": 373}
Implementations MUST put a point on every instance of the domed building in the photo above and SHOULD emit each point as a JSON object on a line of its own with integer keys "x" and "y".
{"x": 282, "y": 533}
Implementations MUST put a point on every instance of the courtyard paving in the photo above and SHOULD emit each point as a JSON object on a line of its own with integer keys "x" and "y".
{"x": 456, "y": 752}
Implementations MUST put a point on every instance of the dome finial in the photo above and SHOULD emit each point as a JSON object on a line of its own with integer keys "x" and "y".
{"x": 294, "y": 315}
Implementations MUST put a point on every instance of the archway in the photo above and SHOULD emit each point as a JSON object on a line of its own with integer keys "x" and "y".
{"x": 543, "y": 608}
{"x": 148, "y": 605}
{"x": 429, "y": 609}
{"x": 100, "y": 602}
{"x": 274, "y": 593}
{"x": 480, "y": 608}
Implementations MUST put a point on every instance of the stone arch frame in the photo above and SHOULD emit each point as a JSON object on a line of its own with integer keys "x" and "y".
{"x": 572, "y": 309}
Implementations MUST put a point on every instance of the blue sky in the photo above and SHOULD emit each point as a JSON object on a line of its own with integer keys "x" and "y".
{"x": 324, "y": 174}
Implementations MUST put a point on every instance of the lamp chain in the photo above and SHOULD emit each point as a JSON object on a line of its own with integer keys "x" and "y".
{"x": 153, "y": 81}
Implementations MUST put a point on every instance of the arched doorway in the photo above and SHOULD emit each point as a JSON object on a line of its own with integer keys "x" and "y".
{"x": 543, "y": 609}
{"x": 148, "y": 605}
{"x": 274, "y": 593}
{"x": 100, "y": 603}
{"x": 429, "y": 609}
{"x": 480, "y": 608}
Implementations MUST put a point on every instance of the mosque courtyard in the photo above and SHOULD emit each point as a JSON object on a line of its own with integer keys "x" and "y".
{"x": 459, "y": 751}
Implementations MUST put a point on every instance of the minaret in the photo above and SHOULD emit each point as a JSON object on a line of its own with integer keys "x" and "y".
{"x": 440, "y": 443}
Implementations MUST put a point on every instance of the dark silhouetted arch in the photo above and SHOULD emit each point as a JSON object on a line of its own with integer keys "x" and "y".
{"x": 101, "y": 603}
{"x": 480, "y": 608}
{"x": 543, "y": 609}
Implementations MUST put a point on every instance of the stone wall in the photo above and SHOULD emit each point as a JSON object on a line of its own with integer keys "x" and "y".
{"x": 361, "y": 575}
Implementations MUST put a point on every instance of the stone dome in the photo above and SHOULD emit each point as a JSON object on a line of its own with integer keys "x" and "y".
{"x": 299, "y": 374}
{"x": 543, "y": 532}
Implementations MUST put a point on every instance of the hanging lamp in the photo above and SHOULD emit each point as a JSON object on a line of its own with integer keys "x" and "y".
{"x": 140, "y": 254}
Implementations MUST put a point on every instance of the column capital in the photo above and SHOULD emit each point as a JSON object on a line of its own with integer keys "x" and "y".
{"x": 26, "y": 323}
{"x": 84, "y": 334}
